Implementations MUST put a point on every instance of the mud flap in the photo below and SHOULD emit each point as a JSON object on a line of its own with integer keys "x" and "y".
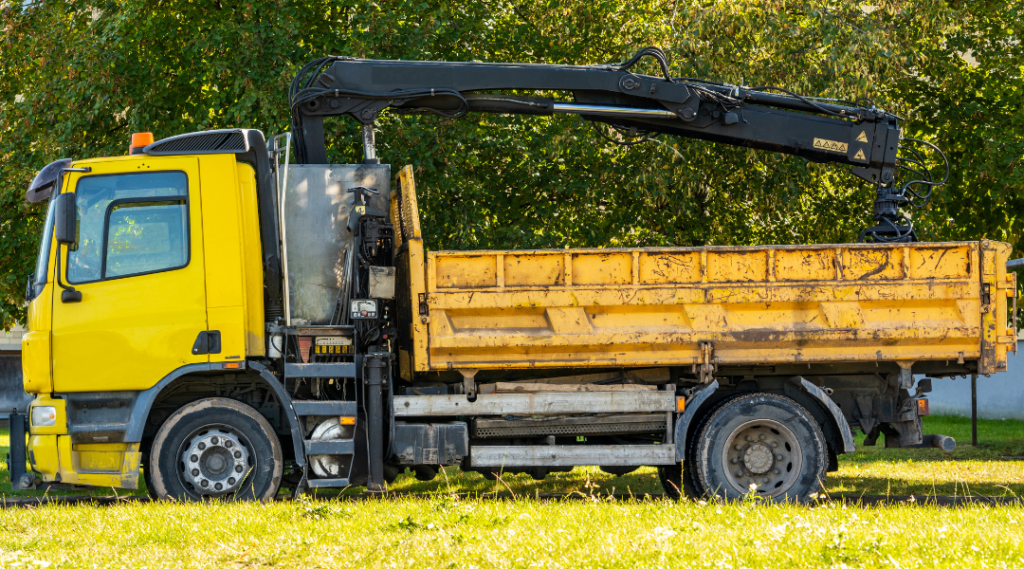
{"x": 830, "y": 407}
{"x": 693, "y": 403}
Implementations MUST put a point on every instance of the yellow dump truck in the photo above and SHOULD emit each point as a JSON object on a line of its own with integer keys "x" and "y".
{"x": 229, "y": 324}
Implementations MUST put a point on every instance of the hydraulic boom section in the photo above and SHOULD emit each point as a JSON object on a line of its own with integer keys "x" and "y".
{"x": 638, "y": 106}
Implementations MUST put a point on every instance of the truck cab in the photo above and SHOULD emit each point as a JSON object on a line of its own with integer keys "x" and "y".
{"x": 164, "y": 279}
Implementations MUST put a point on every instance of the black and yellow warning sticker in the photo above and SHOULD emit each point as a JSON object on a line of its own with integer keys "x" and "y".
{"x": 333, "y": 350}
{"x": 830, "y": 145}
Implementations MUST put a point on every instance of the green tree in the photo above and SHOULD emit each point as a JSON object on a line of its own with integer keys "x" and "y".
{"x": 77, "y": 77}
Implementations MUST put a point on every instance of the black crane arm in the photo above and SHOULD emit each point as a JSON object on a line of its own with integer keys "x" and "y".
{"x": 861, "y": 136}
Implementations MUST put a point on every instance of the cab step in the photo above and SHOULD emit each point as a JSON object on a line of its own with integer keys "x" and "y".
{"x": 327, "y": 482}
{"x": 341, "y": 447}
{"x": 323, "y": 370}
{"x": 313, "y": 408}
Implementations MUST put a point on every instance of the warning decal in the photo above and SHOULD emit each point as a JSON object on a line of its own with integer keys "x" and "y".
{"x": 830, "y": 145}
{"x": 859, "y": 155}
{"x": 862, "y": 137}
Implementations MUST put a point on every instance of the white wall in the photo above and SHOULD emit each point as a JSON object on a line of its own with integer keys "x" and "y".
{"x": 11, "y": 341}
{"x": 12, "y": 394}
{"x": 999, "y": 397}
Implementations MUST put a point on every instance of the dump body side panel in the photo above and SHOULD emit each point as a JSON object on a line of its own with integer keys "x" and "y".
{"x": 757, "y": 305}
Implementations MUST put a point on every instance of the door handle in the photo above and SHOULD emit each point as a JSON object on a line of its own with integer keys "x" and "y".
{"x": 208, "y": 342}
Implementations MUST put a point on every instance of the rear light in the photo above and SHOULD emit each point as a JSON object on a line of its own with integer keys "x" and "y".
{"x": 139, "y": 141}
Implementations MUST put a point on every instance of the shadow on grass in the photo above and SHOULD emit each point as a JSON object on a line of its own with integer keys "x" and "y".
{"x": 988, "y": 470}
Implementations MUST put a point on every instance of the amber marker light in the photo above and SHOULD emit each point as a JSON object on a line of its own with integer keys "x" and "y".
{"x": 346, "y": 420}
{"x": 680, "y": 404}
{"x": 922, "y": 407}
{"x": 139, "y": 141}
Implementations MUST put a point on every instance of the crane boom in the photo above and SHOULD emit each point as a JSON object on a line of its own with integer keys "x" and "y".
{"x": 766, "y": 118}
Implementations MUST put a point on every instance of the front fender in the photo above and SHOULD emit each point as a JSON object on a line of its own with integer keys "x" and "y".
{"x": 145, "y": 399}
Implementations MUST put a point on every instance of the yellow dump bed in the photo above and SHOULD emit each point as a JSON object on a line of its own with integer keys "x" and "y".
{"x": 710, "y": 305}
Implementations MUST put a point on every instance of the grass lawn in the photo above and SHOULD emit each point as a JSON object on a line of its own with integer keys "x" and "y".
{"x": 444, "y": 532}
{"x": 434, "y": 528}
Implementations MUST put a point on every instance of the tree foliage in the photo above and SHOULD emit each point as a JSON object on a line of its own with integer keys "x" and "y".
{"x": 77, "y": 77}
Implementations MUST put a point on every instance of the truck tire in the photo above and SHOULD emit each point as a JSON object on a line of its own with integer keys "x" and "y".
{"x": 763, "y": 439}
{"x": 215, "y": 448}
{"x": 675, "y": 484}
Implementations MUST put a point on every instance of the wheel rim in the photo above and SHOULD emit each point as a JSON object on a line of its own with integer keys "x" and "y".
{"x": 764, "y": 453}
{"x": 215, "y": 461}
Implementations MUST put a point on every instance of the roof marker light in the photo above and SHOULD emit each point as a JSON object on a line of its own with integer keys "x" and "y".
{"x": 139, "y": 141}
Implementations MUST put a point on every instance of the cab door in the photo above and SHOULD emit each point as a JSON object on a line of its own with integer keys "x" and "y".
{"x": 138, "y": 262}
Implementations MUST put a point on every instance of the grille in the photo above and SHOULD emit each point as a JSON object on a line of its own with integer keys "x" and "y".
{"x": 208, "y": 142}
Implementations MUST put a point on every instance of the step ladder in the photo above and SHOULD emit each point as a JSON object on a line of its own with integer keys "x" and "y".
{"x": 339, "y": 447}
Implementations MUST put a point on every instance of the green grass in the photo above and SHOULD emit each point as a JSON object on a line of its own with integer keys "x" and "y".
{"x": 428, "y": 524}
{"x": 444, "y": 531}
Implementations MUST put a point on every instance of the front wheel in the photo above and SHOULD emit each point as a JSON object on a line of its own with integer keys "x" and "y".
{"x": 215, "y": 448}
{"x": 764, "y": 444}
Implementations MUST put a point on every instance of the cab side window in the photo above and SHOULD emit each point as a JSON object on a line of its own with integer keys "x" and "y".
{"x": 129, "y": 224}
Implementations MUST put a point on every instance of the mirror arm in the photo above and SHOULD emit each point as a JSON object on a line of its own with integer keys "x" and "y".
{"x": 69, "y": 294}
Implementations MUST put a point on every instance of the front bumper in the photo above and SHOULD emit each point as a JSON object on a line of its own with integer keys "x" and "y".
{"x": 53, "y": 459}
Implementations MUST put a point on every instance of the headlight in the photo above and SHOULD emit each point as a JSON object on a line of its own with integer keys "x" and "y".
{"x": 44, "y": 416}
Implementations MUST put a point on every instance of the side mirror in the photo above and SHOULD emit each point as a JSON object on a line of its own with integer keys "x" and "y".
{"x": 64, "y": 218}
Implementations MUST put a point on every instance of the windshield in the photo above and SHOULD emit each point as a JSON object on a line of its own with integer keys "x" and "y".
{"x": 43, "y": 262}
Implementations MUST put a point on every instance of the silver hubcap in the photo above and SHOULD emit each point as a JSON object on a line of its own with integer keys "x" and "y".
{"x": 326, "y": 465}
{"x": 215, "y": 463}
{"x": 764, "y": 454}
{"x": 758, "y": 458}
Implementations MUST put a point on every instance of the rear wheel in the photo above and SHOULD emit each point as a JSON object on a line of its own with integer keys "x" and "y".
{"x": 764, "y": 444}
{"x": 671, "y": 478}
{"x": 215, "y": 448}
